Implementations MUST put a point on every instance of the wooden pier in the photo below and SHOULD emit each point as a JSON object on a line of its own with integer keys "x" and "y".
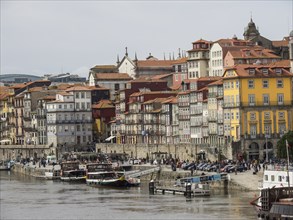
{"x": 188, "y": 189}
{"x": 182, "y": 191}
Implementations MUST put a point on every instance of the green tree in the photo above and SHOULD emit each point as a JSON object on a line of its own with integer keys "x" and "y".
{"x": 281, "y": 146}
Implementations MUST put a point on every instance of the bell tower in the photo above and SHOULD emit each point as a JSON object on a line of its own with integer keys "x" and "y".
{"x": 291, "y": 50}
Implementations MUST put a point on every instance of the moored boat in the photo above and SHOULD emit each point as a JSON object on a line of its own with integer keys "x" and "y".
{"x": 5, "y": 165}
{"x": 52, "y": 174}
{"x": 71, "y": 172}
{"x": 102, "y": 174}
{"x": 274, "y": 189}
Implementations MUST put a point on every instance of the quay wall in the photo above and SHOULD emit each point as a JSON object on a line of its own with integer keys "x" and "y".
{"x": 181, "y": 151}
{"x": 34, "y": 171}
{"x": 25, "y": 151}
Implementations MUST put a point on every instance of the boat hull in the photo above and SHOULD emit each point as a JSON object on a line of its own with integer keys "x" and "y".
{"x": 110, "y": 183}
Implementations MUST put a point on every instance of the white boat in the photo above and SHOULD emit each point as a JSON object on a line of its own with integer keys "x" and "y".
{"x": 52, "y": 174}
{"x": 276, "y": 186}
{"x": 276, "y": 176}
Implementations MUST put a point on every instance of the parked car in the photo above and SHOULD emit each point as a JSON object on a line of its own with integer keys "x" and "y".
{"x": 240, "y": 168}
{"x": 189, "y": 166}
{"x": 226, "y": 168}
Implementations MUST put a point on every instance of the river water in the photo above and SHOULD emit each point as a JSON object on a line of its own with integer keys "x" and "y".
{"x": 24, "y": 197}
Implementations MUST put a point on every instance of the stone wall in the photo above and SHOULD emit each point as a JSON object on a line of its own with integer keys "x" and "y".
{"x": 24, "y": 151}
{"x": 181, "y": 151}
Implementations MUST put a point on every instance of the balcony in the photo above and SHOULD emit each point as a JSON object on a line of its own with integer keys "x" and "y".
{"x": 183, "y": 104}
{"x": 231, "y": 104}
{"x": 70, "y": 122}
{"x": 212, "y": 119}
{"x": 27, "y": 118}
{"x": 213, "y": 132}
{"x": 258, "y": 104}
{"x": 184, "y": 117}
{"x": 41, "y": 116}
{"x": 30, "y": 129}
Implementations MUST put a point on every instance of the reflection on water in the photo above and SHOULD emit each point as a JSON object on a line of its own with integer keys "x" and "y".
{"x": 23, "y": 197}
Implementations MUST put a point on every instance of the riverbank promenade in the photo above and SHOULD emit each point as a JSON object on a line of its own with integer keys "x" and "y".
{"x": 245, "y": 180}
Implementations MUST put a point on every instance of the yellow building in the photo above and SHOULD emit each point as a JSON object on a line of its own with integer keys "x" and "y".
{"x": 257, "y": 107}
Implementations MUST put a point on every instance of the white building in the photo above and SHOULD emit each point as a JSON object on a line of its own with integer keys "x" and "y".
{"x": 198, "y": 59}
{"x": 219, "y": 50}
{"x": 69, "y": 119}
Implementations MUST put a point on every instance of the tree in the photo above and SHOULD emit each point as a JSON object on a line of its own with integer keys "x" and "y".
{"x": 281, "y": 146}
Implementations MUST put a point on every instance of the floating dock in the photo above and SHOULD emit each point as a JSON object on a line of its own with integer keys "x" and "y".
{"x": 182, "y": 191}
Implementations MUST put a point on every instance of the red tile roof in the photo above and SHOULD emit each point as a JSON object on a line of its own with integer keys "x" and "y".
{"x": 242, "y": 70}
{"x": 78, "y": 88}
{"x": 280, "y": 43}
{"x": 154, "y": 63}
{"x": 112, "y": 76}
{"x": 103, "y": 104}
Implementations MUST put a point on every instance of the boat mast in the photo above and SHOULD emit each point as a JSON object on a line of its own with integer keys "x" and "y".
{"x": 287, "y": 148}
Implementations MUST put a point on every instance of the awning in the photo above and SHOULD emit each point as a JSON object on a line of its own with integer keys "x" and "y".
{"x": 110, "y": 138}
{"x": 5, "y": 141}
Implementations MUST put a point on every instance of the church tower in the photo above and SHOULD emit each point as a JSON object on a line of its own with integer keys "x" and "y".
{"x": 250, "y": 31}
{"x": 291, "y": 50}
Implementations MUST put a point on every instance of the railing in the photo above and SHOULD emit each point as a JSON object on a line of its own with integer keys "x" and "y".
{"x": 69, "y": 121}
{"x": 212, "y": 119}
{"x": 257, "y": 104}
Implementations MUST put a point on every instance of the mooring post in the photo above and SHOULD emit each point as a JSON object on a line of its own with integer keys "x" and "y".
{"x": 152, "y": 187}
{"x": 188, "y": 190}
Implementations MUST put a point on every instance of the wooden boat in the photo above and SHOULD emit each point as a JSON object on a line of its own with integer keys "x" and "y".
{"x": 70, "y": 172}
{"x": 102, "y": 174}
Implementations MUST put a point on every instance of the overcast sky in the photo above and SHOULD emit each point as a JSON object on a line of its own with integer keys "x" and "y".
{"x": 40, "y": 37}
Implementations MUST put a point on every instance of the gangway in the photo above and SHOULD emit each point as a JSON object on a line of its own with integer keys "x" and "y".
{"x": 143, "y": 172}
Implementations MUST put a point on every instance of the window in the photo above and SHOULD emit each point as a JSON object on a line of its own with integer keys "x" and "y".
{"x": 253, "y": 131}
{"x": 117, "y": 86}
{"x": 265, "y": 71}
{"x": 78, "y": 128}
{"x": 280, "y": 98}
{"x": 251, "y": 71}
{"x": 266, "y": 99}
{"x": 237, "y": 84}
{"x": 278, "y": 71}
{"x": 60, "y": 107}
{"x": 265, "y": 83}
{"x": 232, "y": 85}
{"x": 280, "y": 178}
{"x": 279, "y": 83}
{"x": 250, "y": 84}
{"x": 77, "y": 95}
{"x": 251, "y": 100}
{"x": 77, "y": 105}
{"x": 272, "y": 178}
{"x": 82, "y": 95}
{"x": 237, "y": 115}
{"x": 281, "y": 115}
{"x": 267, "y": 115}
{"x": 252, "y": 116}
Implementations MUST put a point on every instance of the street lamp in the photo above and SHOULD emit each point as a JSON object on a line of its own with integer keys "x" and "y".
{"x": 267, "y": 152}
